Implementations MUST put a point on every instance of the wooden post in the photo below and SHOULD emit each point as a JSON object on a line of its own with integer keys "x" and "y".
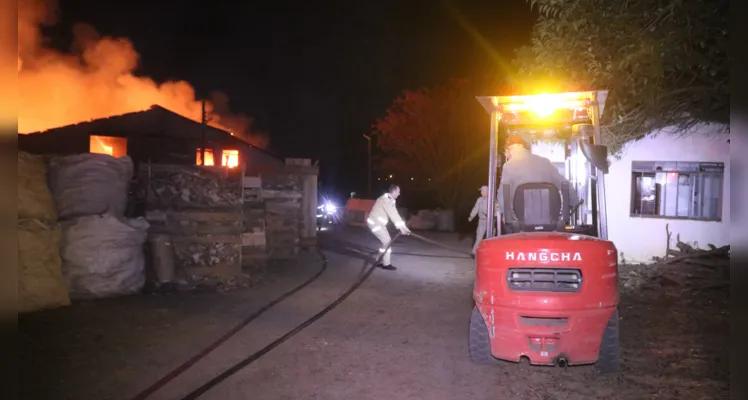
{"x": 205, "y": 136}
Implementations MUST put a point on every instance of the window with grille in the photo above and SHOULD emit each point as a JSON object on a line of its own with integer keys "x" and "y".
{"x": 684, "y": 190}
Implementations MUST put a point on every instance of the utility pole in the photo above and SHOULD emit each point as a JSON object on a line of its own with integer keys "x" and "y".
{"x": 205, "y": 134}
{"x": 368, "y": 164}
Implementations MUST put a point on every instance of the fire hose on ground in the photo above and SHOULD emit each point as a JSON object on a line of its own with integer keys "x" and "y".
{"x": 255, "y": 356}
{"x": 437, "y": 244}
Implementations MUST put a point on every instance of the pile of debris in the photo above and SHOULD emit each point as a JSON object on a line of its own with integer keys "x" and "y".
{"x": 693, "y": 268}
{"x": 685, "y": 268}
{"x": 197, "y": 213}
{"x": 175, "y": 187}
{"x": 211, "y": 283}
{"x": 714, "y": 257}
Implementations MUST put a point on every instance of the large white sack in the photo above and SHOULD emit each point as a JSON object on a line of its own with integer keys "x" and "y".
{"x": 103, "y": 255}
{"x": 89, "y": 184}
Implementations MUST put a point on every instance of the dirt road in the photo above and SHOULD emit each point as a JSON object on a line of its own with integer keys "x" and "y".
{"x": 402, "y": 335}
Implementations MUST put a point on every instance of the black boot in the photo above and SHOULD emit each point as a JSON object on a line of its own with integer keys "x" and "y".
{"x": 386, "y": 267}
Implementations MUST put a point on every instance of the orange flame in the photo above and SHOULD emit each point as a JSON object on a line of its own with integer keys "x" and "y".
{"x": 114, "y": 146}
{"x": 97, "y": 81}
{"x": 208, "y": 157}
{"x": 98, "y": 146}
{"x": 230, "y": 158}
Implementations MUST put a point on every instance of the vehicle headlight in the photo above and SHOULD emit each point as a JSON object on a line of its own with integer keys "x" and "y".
{"x": 330, "y": 208}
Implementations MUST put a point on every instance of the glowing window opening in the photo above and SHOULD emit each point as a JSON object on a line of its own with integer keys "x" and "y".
{"x": 111, "y": 145}
{"x": 230, "y": 158}
{"x": 208, "y": 157}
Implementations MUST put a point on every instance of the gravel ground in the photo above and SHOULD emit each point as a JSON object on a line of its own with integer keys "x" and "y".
{"x": 402, "y": 335}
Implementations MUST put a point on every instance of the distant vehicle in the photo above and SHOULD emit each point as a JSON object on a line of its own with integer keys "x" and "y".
{"x": 328, "y": 213}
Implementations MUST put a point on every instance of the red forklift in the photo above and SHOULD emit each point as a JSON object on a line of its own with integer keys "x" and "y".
{"x": 547, "y": 293}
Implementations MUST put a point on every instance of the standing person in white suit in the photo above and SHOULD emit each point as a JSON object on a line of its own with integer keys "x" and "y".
{"x": 384, "y": 210}
{"x": 481, "y": 210}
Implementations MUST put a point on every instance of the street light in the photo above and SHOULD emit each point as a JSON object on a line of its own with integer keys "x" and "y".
{"x": 368, "y": 162}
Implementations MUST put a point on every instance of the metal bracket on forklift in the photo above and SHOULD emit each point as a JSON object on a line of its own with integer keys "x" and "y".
{"x": 576, "y": 207}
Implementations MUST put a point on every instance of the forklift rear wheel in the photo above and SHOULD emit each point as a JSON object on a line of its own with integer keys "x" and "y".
{"x": 609, "y": 359}
{"x": 478, "y": 340}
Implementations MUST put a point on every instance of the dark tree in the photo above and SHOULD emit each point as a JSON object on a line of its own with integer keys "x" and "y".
{"x": 438, "y": 137}
{"x": 665, "y": 62}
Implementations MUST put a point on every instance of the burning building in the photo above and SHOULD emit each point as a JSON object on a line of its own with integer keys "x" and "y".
{"x": 264, "y": 210}
{"x": 156, "y": 135}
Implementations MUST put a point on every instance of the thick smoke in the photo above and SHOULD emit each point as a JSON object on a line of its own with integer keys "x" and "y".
{"x": 95, "y": 80}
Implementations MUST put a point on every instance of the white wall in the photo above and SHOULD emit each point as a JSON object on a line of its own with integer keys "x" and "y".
{"x": 640, "y": 239}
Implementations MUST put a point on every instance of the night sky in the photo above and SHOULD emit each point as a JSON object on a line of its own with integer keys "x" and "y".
{"x": 315, "y": 75}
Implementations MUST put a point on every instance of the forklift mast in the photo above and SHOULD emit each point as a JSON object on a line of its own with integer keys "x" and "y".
{"x": 572, "y": 118}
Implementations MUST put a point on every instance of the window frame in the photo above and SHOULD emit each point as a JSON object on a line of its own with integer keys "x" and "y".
{"x": 696, "y": 168}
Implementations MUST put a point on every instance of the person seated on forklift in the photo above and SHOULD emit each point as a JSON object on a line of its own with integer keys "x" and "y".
{"x": 524, "y": 167}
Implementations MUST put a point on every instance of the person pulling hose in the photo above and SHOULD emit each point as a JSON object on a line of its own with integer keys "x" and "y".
{"x": 384, "y": 210}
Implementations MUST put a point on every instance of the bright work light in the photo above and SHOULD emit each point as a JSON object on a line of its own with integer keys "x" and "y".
{"x": 542, "y": 105}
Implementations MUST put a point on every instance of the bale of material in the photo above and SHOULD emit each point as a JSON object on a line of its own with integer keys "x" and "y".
{"x": 90, "y": 184}
{"x": 41, "y": 284}
{"x": 103, "y": 255}
{"x": 34, "y": 197}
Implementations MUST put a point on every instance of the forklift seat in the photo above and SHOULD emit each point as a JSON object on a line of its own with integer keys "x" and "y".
{"x": 538, "y": 207}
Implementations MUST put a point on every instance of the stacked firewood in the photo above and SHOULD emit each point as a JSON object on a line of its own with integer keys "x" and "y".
{"x": 283, "y": 214}
{"x": 187, "y": 187}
